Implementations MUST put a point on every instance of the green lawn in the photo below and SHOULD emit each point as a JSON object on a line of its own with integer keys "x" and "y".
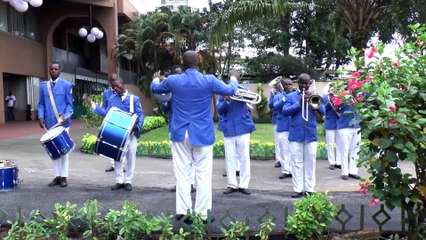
{"x": 262, "y": 134}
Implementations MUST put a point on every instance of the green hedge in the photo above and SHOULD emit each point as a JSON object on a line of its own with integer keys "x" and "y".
{"x": 258, "y": 150}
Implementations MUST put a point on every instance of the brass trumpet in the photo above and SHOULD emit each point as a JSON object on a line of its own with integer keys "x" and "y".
{"x": 246, "y": 96}
{"x": 314, "y": 101}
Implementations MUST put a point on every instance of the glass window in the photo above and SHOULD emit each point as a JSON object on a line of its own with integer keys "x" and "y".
{"x": 3, "y": 16}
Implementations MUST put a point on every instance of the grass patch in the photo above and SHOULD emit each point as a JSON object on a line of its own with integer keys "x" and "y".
{"x": 263, "y": 133}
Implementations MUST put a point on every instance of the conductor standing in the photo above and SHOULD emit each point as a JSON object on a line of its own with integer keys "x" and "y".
{"x": 192, "y": 131}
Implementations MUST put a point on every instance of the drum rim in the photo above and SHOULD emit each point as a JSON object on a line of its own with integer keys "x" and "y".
{"x": 52, "y": 133}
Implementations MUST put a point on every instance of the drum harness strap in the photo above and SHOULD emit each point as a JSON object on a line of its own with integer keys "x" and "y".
{"x": 55, "y": 109}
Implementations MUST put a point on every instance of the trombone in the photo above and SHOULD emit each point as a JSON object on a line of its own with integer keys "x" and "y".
{"x": 314, "y": 101}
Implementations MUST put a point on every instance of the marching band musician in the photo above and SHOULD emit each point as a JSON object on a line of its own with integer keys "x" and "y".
{"x": 236, "y": 125}
{"x": 55, "y": 105}
{"x": 192, "y": 131}
{"x": 275, "y": 91}
{"x": 302, "y": 137}
{"x": 348, "y": 140}
{"x": 130, "y": 104}
{"x": 330, "y": 126}
{"x": 283, "y": 125}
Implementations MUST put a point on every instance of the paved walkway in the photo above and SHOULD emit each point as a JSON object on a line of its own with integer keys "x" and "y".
{"x": 19, "y": 142}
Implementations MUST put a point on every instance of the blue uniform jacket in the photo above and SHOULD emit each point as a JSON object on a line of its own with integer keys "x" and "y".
{"x": 300, "y": 130}
{"x": 115, "y": 101}
{"x": 62, "y": 93}
{"x": 271, "y": 106}
{"x": 105, "y": 97}
{"x": 235, "y": 118}
{"x": 192, "y": 94}
{"x": 331, "y": 117}
{"x": 347, "y": 119}
{"x": 283, "y": 122}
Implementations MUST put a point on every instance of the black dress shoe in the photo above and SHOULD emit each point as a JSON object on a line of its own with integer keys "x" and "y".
{"x": 128, "y": 187}
{"x": 55, "y": 181}
{"x": 117, "y": 186}
{"x": 332, "y": 167}
{"x": 224, "y": 174}
{"x": 277, "y": 165}
{"x": 338, "y": 166}
{"x": 110, "y": 169}
{"x": 354, "y": 176}
{"x": 296, "y": 194}
{"x": 229, "y": 190}
{"x": 345, "y": 177}
{"x": 63, "y": 182}
{"x": 244, "y": 191}
{"x": 284, "y": 175}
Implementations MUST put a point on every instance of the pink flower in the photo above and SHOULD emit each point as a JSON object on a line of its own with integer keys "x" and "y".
{"x": 392, "y": 108}
{"x": 395, "y": 63}
{"x": 393, "y": 121}
{"x": 374, "y": 201}
{"x": 359, "y": 99}
{"x": 420, "y": 43}
{"x": 364, "y": 191}
{"x": 372, "y": 52}
{"x": 367, "y": 79}
{"x": 355, "y": 74}
{"x": 336, "y": 101}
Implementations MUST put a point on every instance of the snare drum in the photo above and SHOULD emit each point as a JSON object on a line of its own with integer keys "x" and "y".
{"x": 8, "y": 175}
{"x": 114, "y": 136}
{"x": 57, "y": 142}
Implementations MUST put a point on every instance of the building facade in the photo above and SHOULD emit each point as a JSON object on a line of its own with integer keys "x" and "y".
{"x": 31, "y": 40}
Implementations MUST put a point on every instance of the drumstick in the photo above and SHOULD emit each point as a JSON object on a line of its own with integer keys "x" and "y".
{"x": 58, "y": 124}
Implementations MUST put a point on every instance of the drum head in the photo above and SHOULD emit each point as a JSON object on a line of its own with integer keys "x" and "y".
{"x": 52, "y": 133}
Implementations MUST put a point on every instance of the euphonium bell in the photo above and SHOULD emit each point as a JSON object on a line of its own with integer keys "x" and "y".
{"x": 246, "y": 96}
{"x": 276, "y": 84}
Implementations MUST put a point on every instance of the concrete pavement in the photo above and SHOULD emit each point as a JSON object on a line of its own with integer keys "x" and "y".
{"x": 153, "y": 180}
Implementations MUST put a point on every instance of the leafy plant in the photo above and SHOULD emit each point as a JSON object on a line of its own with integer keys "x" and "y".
{"x": 92, "y": 119}
{"x": 236, "y": 229}
{"x": 312, "y": 215}
{"x": 266, "y": 229}
{"x": 197, "y": 227}
{"x": 389, "y": 96}
{"x": 262, "y": 106}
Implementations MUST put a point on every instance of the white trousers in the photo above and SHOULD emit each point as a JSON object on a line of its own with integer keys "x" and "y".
{"x": 237, "y": 155}
{"x": 303, "y": 156}
{"x": 284, "y": 150}
{"x": 331, "y": 136}
{"x": 348, "y": 140}
{"x": 61, "y": 166}
{"x": 277, "y": 149}
{"x": 120, "y": 175}
{"x": 187, "y": 156}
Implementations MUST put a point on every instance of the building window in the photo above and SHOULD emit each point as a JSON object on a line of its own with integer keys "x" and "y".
{"x": 19, "y": 24}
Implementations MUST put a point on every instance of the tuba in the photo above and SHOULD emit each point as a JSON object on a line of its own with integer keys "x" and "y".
{"x": 246, "y": 96}
{"x": 276, "y": 85}
{"x": 314, "y": 101}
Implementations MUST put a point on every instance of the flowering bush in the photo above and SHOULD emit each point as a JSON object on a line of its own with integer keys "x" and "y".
{"x": 389, "y": 96}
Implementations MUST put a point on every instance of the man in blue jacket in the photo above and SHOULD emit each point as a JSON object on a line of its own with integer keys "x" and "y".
{"x": 283, "y": 126}
{"x": 274, "y": 92}
{"x": 236, "y": 124}
{"x": 60, "y": 111}
{"x": 348, "y": 140}
{"x": 302, "y": 137}
{"x": 192, "y": 130}
{"x": 126, "y": 102}
{"x": 330, "y": 125}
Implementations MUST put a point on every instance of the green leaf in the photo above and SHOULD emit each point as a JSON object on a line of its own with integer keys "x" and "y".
{"x": 385, "y": 143}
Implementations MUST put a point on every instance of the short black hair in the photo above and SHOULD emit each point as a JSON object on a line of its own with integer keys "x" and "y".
{"x": 57, "y": 63}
